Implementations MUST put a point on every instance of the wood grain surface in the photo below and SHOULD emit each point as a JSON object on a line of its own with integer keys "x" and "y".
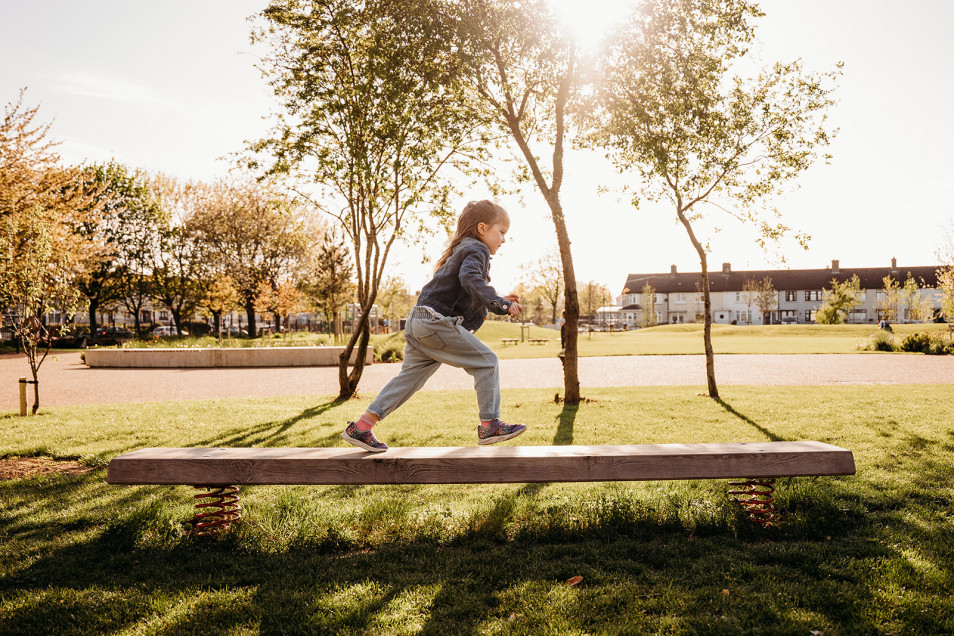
{"x": 458, "y": 465}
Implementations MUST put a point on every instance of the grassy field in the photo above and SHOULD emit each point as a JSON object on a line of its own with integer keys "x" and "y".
{"x": 687, "y": 339}
{"x": 868, "y": 554}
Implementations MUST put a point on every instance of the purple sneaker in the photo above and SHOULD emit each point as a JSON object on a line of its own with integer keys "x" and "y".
{"x": 498, "y": 431}
{"x": 363, "y": 439}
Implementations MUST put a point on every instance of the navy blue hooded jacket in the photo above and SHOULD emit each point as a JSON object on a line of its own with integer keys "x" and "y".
{"x": 461, "y": 286}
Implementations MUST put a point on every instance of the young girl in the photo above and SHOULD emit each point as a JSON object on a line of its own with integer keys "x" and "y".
{"x": 440, "y": 329}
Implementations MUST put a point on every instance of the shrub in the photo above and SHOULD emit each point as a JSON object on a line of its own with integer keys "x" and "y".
{"x": 389, "y": 351}
{"x": 916, "y": 343}
{"x": 932, "y": 344}
{"x": 881, "y": 341}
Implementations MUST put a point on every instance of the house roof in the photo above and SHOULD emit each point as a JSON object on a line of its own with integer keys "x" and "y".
{"x": 782, "y": 279}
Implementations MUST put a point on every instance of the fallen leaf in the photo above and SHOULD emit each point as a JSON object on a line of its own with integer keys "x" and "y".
{"x": 574, "y": 581}
{"x": 725, "y": 592}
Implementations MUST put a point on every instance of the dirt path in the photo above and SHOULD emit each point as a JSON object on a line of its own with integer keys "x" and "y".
{"x": 66, "y": 380}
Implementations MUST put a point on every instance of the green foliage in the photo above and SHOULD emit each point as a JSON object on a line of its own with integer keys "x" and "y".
{"x": 390, "y": 349}
{"x": 934, "y": 344}
{"x": 371, "y": 118}
{"x": 881, "y": 341}
{"x": 648, "y": 314}
{"x": 839, "y": 301}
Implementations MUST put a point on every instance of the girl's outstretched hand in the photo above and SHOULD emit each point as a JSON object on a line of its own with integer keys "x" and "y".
{"x": 514, "y": 308}
{"x": 512, "y": 298}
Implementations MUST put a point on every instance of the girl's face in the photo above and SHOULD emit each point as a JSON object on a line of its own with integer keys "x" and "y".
{"x": 495, "y": 234}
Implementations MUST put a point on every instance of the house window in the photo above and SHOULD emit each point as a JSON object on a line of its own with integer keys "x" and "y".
{"x": 813, "y": 295}
{"x": 163, "y": 315}
{"x": 879, "y": 295}
{"x": 681, "y": 298}
{"x": 698, "y": 297}
{"x": 791, "y": 296}
{"x": 743, "y": 317}
{"x": 863, "y": 296}
{"x": 858, "y": 315}
{"x": 809, "y": 315}
{"x": 147, "y": 316}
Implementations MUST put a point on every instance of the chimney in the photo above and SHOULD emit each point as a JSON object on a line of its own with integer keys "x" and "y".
{"x": 835, "y": 269}
{"x": 726, "y": 269}
{"x": 894, "y": 266}
{"x": 672, "y": 270}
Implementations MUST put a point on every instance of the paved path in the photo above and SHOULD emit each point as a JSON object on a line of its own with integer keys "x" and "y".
{"x": 66, "y": 380}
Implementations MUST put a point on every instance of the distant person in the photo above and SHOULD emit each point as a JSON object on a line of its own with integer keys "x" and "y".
{"x": 440, "y": 329}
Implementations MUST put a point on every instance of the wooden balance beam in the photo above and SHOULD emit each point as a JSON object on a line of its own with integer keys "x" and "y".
{"x": 760, "y": 462}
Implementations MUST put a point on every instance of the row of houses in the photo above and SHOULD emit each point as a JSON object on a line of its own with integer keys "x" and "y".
{"x": 798, "y": 295}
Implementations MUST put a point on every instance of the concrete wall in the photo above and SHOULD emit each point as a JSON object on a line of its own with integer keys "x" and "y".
{"x": 246, "y": 357}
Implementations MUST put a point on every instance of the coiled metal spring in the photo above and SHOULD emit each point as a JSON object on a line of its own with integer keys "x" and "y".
{"x": 216, "y": 510}
{"x": 756, "y": 497}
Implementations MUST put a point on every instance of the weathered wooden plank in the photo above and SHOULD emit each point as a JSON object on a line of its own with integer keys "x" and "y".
{"x": 502, "y": 464}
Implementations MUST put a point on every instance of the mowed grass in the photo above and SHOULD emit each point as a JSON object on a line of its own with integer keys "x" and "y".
{"x": 867, "y": 554}
{"x": 688, "y": 339}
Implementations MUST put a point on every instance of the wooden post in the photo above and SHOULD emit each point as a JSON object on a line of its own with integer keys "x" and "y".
{"x": 23, "y": 397}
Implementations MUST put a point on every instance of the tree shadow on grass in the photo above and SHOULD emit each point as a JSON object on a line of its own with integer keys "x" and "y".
{"x": 748, "y": 420}
{"x": 268, "y": 432}
{"x": 565, "y": 421}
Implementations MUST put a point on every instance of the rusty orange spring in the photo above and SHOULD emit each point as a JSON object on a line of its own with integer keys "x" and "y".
{"x": 756, "y": 497}
{"x": 223, "y": 509}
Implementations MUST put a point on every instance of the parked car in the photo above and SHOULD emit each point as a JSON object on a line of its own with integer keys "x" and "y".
{"x": 168, "y": 331}
{"x": 789, "y": 320}
{"x": 232, "y": 331}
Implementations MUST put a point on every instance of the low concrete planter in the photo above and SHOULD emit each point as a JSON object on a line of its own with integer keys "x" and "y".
{"x": 250, "y": 357}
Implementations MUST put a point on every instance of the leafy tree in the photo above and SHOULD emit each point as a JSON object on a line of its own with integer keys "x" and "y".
{"x": 41, "y": 256}
{"x": 327, "y": 279}
{"x": 121, "y": 195}
{"x": 524, "y": 73}
{"x": 394, "y": 299}
{"x": 371, "y": 118}
{"x": 649, "y": 306}
{"x": 545, "y": 277}
{"x": 891, "y": 299}
{"x": 252, "y": 233}
{"x": 219, "y": 298}
{"x": 278, "y": 300}
{"x": 751, "y": 289}
{"x": 593, "y": 295}
{"x": 919, "y": 307}
{"x": 674, "y": 111}
{"x": 945, "y": 281}
{"x": 839, "y": 301}
{"x": 766, "y": 298}
{"x": 180, "y": 263}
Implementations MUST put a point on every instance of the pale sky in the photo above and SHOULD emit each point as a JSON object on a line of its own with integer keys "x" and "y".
{"x": 171, "y": 87}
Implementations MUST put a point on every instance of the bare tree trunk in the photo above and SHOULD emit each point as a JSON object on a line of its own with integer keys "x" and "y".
{"x": 360, "y": 337}
{"x": 706, "y": 301}
{"x": 571, "y": 302}
{"x": 93, "y": 308}
{"x": 250, "y": 314}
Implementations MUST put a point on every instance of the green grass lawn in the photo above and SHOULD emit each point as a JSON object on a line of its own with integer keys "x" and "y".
{"x": 687, "y": 339}
{"x": 868, "y": 554}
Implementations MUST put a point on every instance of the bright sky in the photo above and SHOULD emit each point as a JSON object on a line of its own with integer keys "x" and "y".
{"x": 171, "y": 86}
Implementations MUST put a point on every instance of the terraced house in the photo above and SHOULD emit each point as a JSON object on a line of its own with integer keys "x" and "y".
{"x": 798, "y": 294}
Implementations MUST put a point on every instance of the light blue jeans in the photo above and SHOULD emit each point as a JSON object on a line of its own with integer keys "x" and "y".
{"x": 431, "y": 342}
